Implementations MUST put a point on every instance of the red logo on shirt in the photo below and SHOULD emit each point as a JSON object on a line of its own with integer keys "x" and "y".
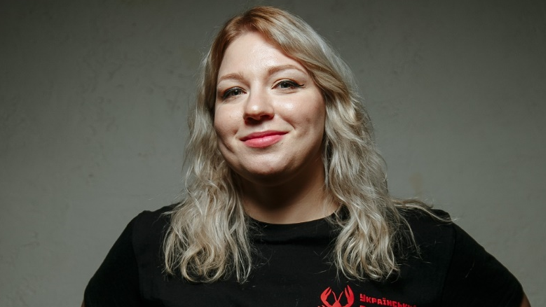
{"x": 346, "y": 298}
{"x": 336, "y": 302}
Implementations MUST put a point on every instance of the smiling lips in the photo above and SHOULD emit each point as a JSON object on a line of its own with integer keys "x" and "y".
{"x": 262, "y": 139}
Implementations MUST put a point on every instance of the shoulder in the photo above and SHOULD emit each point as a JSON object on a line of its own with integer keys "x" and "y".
{"x": 126, "y": 268}
{"x": 436, "y": 234}
{"x": 155, "y": 218}
{"x": 469, "y": 274}
{"x": 429, "y": 247}
{"x": 149, "y": 228}
{"x": 430, "y": 227}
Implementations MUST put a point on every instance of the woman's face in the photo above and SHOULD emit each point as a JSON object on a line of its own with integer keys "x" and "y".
{"x": 269, "y": 114}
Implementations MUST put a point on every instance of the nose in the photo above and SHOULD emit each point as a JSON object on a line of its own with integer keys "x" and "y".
{"x": 258, "y": 108}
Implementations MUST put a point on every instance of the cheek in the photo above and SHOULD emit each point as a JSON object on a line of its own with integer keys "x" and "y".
{"x": 220, "y": 123}
{"x": 316, "y": 116}
{"x": 308, "y": 109}
{"x": 221, "y": 136}
{"x": 225, "y": 126}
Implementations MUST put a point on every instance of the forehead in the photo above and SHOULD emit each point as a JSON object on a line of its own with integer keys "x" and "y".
{"x": 251, "y": 51}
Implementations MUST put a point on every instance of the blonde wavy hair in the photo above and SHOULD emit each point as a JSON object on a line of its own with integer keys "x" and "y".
{"x": 208, "y": 235}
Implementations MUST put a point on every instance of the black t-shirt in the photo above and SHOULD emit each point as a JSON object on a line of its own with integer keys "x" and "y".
{"x": 292, "y": 268}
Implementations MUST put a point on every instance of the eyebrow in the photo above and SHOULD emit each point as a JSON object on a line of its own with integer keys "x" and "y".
{"x": 272, "y": 70}
{"x": 276, "y": 69}
{"x": 232, "y": 76}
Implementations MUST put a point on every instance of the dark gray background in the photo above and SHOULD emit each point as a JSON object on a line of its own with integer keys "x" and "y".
{"x": 93, "y": 100}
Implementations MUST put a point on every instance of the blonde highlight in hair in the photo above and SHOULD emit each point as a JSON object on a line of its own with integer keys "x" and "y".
{"x": 208, "y": 240}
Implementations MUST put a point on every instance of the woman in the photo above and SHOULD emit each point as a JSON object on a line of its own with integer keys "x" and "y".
{"x": 287, "y": 201}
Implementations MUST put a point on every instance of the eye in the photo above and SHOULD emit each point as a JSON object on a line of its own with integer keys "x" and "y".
{"x": 288, "y": 84}
{"x": 231, "y": 92}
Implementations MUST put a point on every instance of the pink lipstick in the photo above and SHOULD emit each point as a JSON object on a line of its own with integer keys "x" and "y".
{"x": 263, "y": 139}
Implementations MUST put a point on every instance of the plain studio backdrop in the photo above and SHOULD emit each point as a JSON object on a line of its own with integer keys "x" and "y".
{"x": 94, "y": 98}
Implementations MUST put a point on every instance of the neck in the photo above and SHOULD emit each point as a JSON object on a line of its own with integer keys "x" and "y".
{"x": 302, "y": 198}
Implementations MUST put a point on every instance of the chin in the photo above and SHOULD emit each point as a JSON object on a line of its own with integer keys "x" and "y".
{"x": 265, "y": 177}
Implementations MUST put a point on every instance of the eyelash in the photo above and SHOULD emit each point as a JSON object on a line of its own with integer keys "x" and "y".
{"x": 235, "y": 91}
{"x": 291, "y": 84}
{"x": 231, "y": 92}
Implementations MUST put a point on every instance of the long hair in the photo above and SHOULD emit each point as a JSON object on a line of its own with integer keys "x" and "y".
{"x": 208, "y": 235}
